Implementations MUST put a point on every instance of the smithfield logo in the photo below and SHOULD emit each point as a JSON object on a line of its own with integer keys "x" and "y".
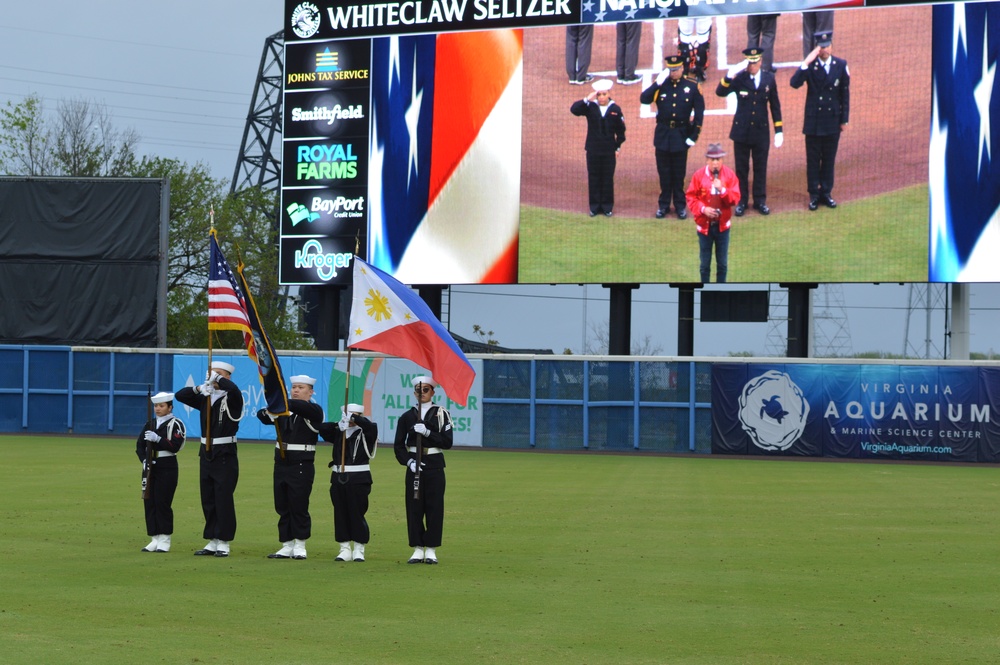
{"x": 311, "y": 256}
{"x": 327, "y": 114}
{"x": 773, "y": 411}
{"x": 305, "y": 20}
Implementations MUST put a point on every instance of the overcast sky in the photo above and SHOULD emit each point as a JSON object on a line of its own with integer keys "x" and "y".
{"x": 182, "y": 74}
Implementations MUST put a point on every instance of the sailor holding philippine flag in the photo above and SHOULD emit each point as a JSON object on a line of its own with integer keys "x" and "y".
{"x": 388, "y": 317}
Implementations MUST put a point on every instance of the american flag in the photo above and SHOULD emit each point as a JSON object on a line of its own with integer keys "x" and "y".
{"x": 445, "y": 157}
{"x": 964, "y": 179}
{"x": 227, "y": 306}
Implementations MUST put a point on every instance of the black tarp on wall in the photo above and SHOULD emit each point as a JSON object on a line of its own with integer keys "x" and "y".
{"x": 80, "y": 261}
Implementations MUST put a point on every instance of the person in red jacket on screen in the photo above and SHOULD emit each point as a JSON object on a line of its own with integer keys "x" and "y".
{"x": 713, "y": 192}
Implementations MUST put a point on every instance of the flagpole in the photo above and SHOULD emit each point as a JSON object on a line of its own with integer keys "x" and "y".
{"x": 347, "y": 394}
{"x": 208, "y": 397}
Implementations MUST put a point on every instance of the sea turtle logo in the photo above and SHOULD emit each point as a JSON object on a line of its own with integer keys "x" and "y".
{"x": 773, "y": 411}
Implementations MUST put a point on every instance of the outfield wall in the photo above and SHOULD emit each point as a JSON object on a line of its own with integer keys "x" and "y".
{"x": 939, "y": 411}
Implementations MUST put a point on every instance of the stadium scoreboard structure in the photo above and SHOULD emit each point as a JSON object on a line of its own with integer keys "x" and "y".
{"x": 404, "y": 132}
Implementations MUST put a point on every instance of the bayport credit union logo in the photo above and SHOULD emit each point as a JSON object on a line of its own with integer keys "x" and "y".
{"x": 773, "y": 411}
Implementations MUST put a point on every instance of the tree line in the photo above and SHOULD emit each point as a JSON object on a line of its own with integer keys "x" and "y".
{"x": 81, "y": 140}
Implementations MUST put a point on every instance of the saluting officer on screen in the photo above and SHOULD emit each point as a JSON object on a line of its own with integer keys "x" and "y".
{"x": 828, "y": 106}
{"x": 220, "y": 404}
{"x": 605, "y": 135}
{"x": 756, "y": 91}
{"x": 422, "y": 434}
{"x": 680, "y": 109}
{"x": 166, "y": 434}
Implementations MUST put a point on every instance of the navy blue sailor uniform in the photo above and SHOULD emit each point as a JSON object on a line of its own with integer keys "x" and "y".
{"x": 163, "y": 472}
{"x": 219, "y": 468}
{"x": 351, "y": 485}
{"x": 828, "y": 106}
{"x": 751, "y": 130}
{"x": 295, "y": 471}
{"x": 680, "y": 111}
{"x": 605, "y": 135}
{"x": 424, "y": 515}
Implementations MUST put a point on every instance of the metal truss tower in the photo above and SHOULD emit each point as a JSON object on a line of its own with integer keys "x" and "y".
{"x": 930, "y": 301}
{"x": 259, "y": 161}
{"x": 829, "y": 329}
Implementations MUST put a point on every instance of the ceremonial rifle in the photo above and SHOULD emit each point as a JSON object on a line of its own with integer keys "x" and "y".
{"x": 147, "y": 468}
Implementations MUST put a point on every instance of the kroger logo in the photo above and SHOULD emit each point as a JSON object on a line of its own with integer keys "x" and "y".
{"x": 311, "y": 256}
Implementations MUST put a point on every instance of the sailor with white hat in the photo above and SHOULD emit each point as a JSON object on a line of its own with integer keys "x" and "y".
{"x": 161, "y": 439}
{"x": 294, "y": 470}
{"x": 219, "y": 402}
{"x": 422, "y": 434}
{"x": 355, "y": 441}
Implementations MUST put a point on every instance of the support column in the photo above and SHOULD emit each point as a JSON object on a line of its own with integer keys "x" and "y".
{"x": 685, "y": 318}
{"x": 799, "y": 296}
{"x": 431, "y": 294}
{"x": 328, "y": 321}
{"x": 620, "y": 319}
{"x": 959, "y": 329}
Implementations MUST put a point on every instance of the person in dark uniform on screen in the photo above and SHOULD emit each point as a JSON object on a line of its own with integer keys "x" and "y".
{"x": 680, "y": 109}
{"x": 294, "y": 469}
{"x": 219, "y": 402}
{"x": 761, "y": 32}
{"x": 355, "y": 442}
{"x": 579, "y": 41}
{"x": 605, "y": 135}
{"x": 165, "y": 435}
{"x": 426, "y": 428}
{"x": 756, "y": 91}
{"x": 828, "y": 106}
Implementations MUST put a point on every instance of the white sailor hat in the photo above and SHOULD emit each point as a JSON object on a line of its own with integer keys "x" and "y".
{"x": 160, "y": 398}
{"x": 355, "y": 408}
{"x": 602, "y": 85}
{"x": 302, "y": 378}
{"x": 425, "y": 380}
{"x": 218, "y": 364}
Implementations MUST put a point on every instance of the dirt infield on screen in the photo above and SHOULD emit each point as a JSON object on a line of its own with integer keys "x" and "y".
{"x": 879, "y": 232}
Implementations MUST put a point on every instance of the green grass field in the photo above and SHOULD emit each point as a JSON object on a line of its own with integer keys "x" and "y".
{"x": 881, "y": 239}
{"x": 547, "y": 558}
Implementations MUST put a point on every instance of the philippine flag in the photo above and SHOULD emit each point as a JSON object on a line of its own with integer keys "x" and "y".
{"x": 388, "y": 317}
{"x": 445, "y": 157}
{"x": 964, "y": 180}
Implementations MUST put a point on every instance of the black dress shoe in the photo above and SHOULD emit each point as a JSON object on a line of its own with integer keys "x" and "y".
{"x": 682, "y": 213}
{"x": 829, "y": 202}
{"x": 593, "y": 213}
{"x": 739, "y": 210}
{"x": 415, "y": 561}
{"x": 220, "y": 554}
{"x": 762, "y": 208}
{"x": 607, "y": 213}
{"x": 662, "y": 212}
{"x": 813, "y": 202}
{"x": 205, "y": 553}
{"x": 277, "y": 556}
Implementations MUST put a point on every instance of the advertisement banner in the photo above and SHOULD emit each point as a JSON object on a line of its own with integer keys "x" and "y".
{"x": 862, "y": 411}
{"x": 381, "y": 384}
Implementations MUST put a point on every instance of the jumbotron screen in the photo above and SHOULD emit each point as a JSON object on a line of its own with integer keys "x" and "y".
{"x": 435, "y": 139}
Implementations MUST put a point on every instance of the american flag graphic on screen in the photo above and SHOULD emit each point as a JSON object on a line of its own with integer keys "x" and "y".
{"x": 445, "y": 157}
{"x": 964, "y": 172}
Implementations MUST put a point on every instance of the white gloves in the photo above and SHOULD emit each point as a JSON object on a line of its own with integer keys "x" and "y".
{"x": 690, "y": 142}
{"x": 736, "y": 69}
{"x": 662, "y": 76}
{"x": 421, "y": 429}
{"x": 343, "y": 424}
{"x": 152, "y": 436}
{"x": 215, "y": 376}
{"x": 779, "y": 138}
{"x": 412, "y": 465}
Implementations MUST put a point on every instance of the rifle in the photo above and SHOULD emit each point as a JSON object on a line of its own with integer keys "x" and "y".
{"x": 416, "y": 474}
{"x": 147, "y": 468}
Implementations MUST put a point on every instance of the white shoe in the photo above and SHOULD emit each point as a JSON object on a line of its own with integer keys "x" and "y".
{"x": 359, "y": 551}
{"x": 284, "y": 553}
{"x": 210, "y": 548}
{"x": 430, "y": 556}
{"x": 298, "y": 549}
{"x": 418, "y": 556}
{"x": 152, "y": 544}
{"x": 164, "y": 544}
{"x": 345, "y": 552}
